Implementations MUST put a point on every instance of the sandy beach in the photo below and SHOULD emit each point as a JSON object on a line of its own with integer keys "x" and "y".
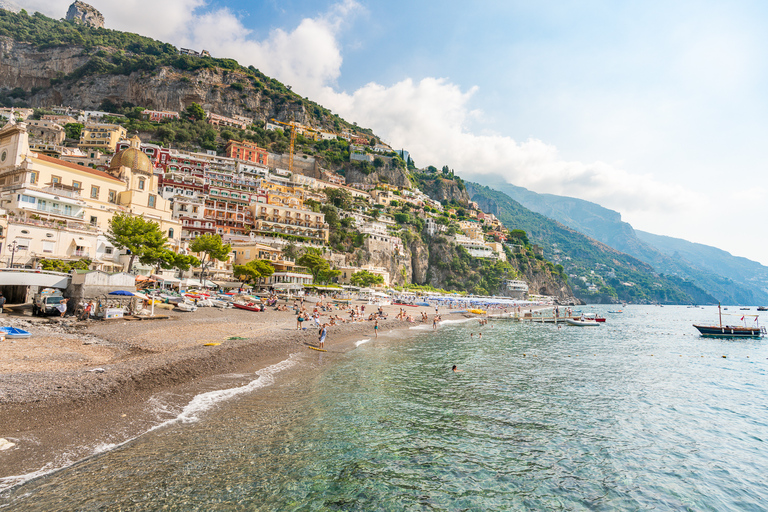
{"x": 75, "y": 388}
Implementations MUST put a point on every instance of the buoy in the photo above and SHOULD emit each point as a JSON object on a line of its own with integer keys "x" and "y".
{"x": 724, "y": 357}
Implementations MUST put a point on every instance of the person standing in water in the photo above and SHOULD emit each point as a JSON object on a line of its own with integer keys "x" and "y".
{"x": 323, "y": 333}
{"x": 376, "y": 328}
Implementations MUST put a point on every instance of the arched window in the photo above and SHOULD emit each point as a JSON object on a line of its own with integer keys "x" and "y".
{"x": 170, "y": 233}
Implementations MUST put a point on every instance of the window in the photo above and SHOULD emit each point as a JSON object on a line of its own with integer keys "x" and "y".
{"x": 94, "y": 220}
{"x": 27, "y": 199}
{"x": 94, "y": 192}
{"x": 170, "y": 233}
{"x": 77, "y": 185}
{"x": 151, "y": 202}
{"x": 48, "y": 247}
{"x": 55, "y": 179}
{"x": 141, "y": 183}
{"x": 33, "y": 178}
{"x": 108, "y": 250}
{"x": 112, "y": 196}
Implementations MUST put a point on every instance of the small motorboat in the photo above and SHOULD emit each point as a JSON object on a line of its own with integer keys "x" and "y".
{"x": 187, "y": 307}
{"x": 13, "y": 332}
{"x": 251, "y": 306}
{"x": 762, "y": 308}
{"x": 582, "y": 322}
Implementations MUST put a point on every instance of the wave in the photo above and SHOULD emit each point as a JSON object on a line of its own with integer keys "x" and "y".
{"x": 189, "y": 414}
{"x": 358, "y": 343}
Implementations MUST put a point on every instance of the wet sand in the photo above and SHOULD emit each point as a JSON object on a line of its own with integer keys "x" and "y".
{"x": 76, "y": 388}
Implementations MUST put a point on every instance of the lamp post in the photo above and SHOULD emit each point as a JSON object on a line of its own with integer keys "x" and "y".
{"x": 13, "y": 250}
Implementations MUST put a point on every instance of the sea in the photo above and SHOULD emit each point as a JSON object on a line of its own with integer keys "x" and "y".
{"x": 640, "y": 413}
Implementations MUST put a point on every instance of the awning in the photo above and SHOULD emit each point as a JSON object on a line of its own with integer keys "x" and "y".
{"x": 229, "y": 284}
{"x": 288, "y": 286}
{"x": 166, "y": 279}
{"x": 144, "y": 278}
{"x": 82, "y": 243}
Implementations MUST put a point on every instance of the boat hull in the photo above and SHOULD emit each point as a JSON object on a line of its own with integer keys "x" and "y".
{"x": 582, "y": 323}
{"x": 730, "y": 331}
{"x": 246, "y": 307}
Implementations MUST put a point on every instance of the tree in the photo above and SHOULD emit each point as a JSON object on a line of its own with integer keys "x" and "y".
{"x": 212, "y": 249}
{"x": 135, "y": 234}
{"x": 365, "y": 279}
{"x": 290, "y": 251}
{"x": 253, "y": 271}
{"x": 73, "y": 130}
{"x": 195, "y": 112}
{"x": 339, "y": 198}
{"x": 316, "y": 264}
{"x": 378, "y": 162}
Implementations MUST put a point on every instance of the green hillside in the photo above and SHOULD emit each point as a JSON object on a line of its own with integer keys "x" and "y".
{"x": 615, "y": 275}
{"x": 730, "y": 279}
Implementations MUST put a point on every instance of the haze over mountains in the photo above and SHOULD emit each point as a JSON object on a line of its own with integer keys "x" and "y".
{"x": 731, "y": 279}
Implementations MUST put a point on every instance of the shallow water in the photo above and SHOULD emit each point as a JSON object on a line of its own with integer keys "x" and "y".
{"x": 640, "y": 413}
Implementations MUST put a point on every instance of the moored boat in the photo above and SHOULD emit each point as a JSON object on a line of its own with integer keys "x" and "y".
{"x": 731, "y": 331}
{"x": 762, "y": 308}
{"x": 582, "y": 322}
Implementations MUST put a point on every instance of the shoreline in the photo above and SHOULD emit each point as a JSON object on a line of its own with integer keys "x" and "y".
{"x": 66, "y": 412}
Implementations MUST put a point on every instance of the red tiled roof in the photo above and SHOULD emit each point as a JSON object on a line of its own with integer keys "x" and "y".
{"x": 81, "y": 168}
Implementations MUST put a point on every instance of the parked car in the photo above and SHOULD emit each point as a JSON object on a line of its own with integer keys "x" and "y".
{"x": 46, "y": 302}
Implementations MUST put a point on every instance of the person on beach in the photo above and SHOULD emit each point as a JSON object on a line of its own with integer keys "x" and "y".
{"x": 323, "y": 333}
{"x": 62, "y": 307}
{"x": 376, "y": 328}
{"x": 299, "y": 320}
{"x": 434, "y": 323}
{"x": 2, "y": 302}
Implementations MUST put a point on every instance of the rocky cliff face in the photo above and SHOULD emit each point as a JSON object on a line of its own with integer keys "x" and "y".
{"x": 22, "y": 65}
{"x": 394, "y": 176}
{"x": 441, "y": 189}
{"x": 81, "y": 12}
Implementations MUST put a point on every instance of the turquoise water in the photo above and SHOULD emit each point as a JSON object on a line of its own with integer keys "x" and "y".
{"x": 638, "y": 414}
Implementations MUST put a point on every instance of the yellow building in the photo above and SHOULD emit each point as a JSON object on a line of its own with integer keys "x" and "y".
{"x": 472, "y": 229}
{"x": 104, "y": 136}
{"x": 271, "y": 219}
{"x": 61, "y": 210}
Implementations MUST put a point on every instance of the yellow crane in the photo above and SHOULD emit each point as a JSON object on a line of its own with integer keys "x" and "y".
{"x": 293, "y": 141}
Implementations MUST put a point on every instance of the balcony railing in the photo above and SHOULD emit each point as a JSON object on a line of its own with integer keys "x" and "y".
{"x": 63, "y": 224}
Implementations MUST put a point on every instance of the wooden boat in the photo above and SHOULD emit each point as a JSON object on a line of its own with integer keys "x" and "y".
{"x": 731, "y": 331}
{"x": 13, "y": 332}
{"x": 582, "y": 322}
{"x": 251, "y": 306}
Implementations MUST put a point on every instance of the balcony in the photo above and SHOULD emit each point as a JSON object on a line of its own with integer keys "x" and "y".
{"x": 74, "y": 193}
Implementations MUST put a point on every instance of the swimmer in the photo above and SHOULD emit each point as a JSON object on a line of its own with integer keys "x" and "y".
{"x": 456, "y": 369}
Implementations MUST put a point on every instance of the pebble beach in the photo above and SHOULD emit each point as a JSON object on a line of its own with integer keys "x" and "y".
{"x": 74, "y": 386}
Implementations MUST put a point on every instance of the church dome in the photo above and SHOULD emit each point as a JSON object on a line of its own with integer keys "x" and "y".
{"x": 133, "y": 158}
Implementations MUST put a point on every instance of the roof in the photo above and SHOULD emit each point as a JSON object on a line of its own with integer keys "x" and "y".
{"x": 81, "y": 168}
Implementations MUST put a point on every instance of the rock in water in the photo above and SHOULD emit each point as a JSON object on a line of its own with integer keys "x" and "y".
{"x": 81, "y": 12}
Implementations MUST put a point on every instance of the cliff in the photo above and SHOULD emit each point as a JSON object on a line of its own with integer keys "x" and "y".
{"x": 394, "y": 176}
{"x": 444, "y": 190}
{"x": 81, "y": 12}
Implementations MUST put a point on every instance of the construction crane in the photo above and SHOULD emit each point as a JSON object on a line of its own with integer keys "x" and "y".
{"x": 293, "y": 141}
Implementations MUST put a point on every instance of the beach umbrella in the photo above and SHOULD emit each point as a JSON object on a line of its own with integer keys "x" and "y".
{"x": 120, "y": 292}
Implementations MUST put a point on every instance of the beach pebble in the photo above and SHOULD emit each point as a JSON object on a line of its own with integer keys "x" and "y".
{"x": 6, "y": 444}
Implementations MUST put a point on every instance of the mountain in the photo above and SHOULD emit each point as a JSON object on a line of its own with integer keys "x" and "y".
{"x": 597, "y": 272}
{"x": 54, "y": 62}
{"x": 732, "y": 280}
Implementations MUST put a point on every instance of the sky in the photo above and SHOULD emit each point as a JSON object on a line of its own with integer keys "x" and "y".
{"x": 655, "y": 109}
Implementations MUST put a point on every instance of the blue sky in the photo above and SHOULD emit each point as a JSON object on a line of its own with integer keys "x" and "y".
{"x": 654, "y": 109}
